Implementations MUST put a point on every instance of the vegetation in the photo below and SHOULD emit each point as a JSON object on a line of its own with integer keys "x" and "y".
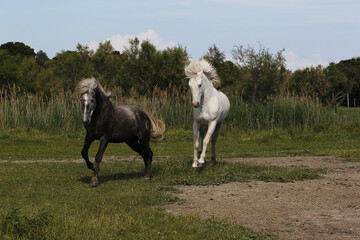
{"x": 256, "y": 74}
{"x": 274, "y": 112}
{"x": 53, "y": 200}
{"x": 60, "y": 112}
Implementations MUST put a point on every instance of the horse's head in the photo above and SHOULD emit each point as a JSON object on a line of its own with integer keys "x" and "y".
{"x": 88, "y": 104}
{"x": 197, "y": 86}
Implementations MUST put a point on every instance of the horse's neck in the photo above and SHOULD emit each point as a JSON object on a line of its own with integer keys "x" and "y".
{"x": 103, "y": 102}
{"x": 208, "y": 92}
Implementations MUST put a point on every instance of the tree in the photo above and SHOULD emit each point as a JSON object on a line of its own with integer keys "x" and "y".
{"x": 41, "y": 58}
{"x": 9, "y": 65}
{"x": 27, "y": 75}
{"x": 228, "y": 72}
{"x": 262, "y": 70}
{"x": 304, "y": 82}
{"x": 351, "y": 69}
{"x": 18, "y": 48}
{"x": 215, "y": 56}
{"x": 71, "y": 66}
{"x": 337, "y": 85}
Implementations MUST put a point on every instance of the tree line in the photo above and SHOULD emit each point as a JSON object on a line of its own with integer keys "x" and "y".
{"x": 255, "y": 74}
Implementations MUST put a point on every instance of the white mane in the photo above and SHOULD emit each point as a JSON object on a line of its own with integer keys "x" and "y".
{"x": 90, "y": 84}
{"x": 202, "y": 65}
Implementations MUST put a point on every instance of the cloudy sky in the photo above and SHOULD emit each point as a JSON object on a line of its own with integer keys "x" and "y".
{"x": 312, "y": 32}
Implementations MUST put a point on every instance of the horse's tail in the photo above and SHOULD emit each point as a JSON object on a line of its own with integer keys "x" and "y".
{"x": 157, "y": 125}
{"x": 157, "y": 129}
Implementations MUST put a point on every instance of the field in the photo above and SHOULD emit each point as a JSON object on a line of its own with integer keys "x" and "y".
{"x": 44, "y": 185}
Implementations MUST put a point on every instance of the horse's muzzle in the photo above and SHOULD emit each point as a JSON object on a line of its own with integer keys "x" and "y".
{"x": 196, "y": 104}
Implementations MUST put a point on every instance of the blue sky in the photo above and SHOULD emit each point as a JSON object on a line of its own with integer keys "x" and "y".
{"x": 311, "y": 31}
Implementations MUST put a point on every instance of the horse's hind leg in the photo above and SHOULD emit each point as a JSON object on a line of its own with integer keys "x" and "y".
{"x": 147, "y": 156}
{"x": 143, "y": 148}
{"x": 213, "y": 142}
{"x": 99, "y": 155}
{"x": 85, "y": 149}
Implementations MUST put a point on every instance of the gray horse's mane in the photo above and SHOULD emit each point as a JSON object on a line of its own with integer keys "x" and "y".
{"x": 90, "y": 84}
{"x": 199, "y": 65}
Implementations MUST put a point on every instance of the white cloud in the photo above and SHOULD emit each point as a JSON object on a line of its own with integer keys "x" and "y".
{"x": 120, "y": 43}
{"x": 294, "y": 62}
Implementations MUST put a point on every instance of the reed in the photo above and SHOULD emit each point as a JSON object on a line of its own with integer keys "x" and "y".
{"x": 60, "y": 112}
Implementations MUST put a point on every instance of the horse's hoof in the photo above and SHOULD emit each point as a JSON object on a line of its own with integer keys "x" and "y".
{"x": 195, "y": 165}
{"x": 201, "y": 164}
{"x": 94, "y": 184}
{"x": 147, "y": 178}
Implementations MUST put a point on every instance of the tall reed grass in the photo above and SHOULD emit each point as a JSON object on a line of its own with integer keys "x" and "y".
{"x": 60, "y": 112}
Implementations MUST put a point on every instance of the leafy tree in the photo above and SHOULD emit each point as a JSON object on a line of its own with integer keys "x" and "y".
{"x": 215, "y": 56}
{"x": 106, "y": 64}
{"x": 27, "y": 74}
{"x": 9, "y": 65}
{"x": 71, "y": 66}
{"x": 229, "y": 74}
{"x": 306, "y": 82}
{"x": 336, "y": 86}
{"x": 41, "y": 58}
{"x": 18, "y": 48}
{"x": 262, "y": 71}
{"x": 351, "y": 69}
{"x": 169, "y": 68}
{"x": 146, "y": 67}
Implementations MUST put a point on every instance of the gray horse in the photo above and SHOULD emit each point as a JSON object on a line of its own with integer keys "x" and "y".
{"x": 108, "y": 122}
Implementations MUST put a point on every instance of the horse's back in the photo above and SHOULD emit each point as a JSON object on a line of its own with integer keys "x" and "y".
{"x": 130, "y": 122}
{"x": 224, "y": 106}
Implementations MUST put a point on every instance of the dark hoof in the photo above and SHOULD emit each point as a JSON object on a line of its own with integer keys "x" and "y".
{"x": 200, "y": 165}
{"x": 94, "y": 184}
{"x": 94, "y": 181}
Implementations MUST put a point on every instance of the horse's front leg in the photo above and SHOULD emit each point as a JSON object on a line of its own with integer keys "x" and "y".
{"x": 102, "y": 147}
{"x": 210, "y": 131}
{"x": 85, "y": 149}
{"x": 196, "y": 144}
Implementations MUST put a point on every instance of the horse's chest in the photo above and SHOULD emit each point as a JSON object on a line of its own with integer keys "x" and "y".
{"x": 204, "y": 114}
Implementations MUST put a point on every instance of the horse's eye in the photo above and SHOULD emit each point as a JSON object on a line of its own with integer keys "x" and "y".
{"x": 199, "y": 85}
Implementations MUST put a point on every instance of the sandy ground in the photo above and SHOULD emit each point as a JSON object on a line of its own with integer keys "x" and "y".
{"x": 327, "y": 208}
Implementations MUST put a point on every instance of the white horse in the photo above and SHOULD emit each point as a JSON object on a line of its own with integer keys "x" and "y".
{"x": 210, "y": 108}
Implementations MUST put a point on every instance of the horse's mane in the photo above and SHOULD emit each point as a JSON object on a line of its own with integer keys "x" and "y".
{"x": 202, "y": 65}
{"x": 90, "y": 84}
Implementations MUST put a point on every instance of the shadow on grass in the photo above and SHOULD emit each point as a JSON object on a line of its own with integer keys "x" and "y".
{"x": 112, "y": 177}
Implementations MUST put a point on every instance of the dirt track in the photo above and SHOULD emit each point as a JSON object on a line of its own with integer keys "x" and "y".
{"x": 327, "y": 208}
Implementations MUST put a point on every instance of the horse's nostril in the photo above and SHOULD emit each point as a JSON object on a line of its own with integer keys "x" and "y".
{"x": 196, "y": 104}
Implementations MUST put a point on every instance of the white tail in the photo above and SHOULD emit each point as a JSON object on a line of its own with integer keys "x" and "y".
{"x": 157, "y": 129}
{"x": 157, "y": 126}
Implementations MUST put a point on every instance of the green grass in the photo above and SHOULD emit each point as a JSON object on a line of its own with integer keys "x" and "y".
{"x": 53, "y": 200}
{"x": 123, "y": 206}
{"x": 31, "y": 144}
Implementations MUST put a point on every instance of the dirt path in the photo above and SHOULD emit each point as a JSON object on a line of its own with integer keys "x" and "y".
{"x": 327, "y": 208}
